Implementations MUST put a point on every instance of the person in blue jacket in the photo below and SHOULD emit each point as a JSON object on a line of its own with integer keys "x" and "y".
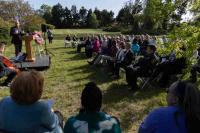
{"x": 135, "y": 47}
{"x": 22, "y": 112}
{"x": 182, "y": 115}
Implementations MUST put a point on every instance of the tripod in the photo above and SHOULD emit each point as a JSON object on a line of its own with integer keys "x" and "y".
{"x": 45, "y": 45}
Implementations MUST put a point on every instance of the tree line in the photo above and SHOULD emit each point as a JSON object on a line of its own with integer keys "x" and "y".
{"x": 136, "y": 16}
{"x": 64, "y": 17}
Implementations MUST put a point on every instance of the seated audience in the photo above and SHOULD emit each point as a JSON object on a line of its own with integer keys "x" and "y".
{"x": 144, "y": 44}
{"x": 110, "y": 56}
{"x": 23, "y": 112}
{"x": 182, "y": 115}
{"x": 88, "y": 47}
{"x": 6, "y": 68}
{"x": 81, "y": 44}
{"x": 90, "y": 119}
{"x": 169, "y": 67}
{"x": 144, "y": 68}
{"x": 135, "y": 47}
{"x": 124, "y": 60}
{"x": 67, "y": 40}
{"x": 96, "y": 45}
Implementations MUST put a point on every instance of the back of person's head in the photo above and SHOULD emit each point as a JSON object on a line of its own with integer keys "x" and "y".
{"x": 127, "y": 46}
{"x": 27, "y": 87}
{"x": 151, "y": 49}
{"x": 91, "y": 98}
{"x": 187, "y": 97}
{"x": 122, "y": 45}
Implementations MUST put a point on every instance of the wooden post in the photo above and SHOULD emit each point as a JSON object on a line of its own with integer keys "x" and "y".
{"x": 29, "y": 50}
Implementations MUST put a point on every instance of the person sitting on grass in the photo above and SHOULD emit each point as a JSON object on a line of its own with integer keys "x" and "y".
{"x": 23, "y": 112}
{"x": 182, "y": 115}
{"x": 90, "y": 119}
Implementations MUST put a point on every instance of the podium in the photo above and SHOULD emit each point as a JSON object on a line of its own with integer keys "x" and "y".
{"x": 29, "y": 50}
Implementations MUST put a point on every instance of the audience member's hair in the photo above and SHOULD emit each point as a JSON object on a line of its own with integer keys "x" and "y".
{"x": 152, "y": 47}
{"x": 27, "y": 87}
{"x": 91, "y": 98}
{"x": 189, "y": 101}
{"x": 122, "y": 45}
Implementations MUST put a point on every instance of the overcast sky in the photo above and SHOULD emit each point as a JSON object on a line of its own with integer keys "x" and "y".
{"x": 114, "y": 5}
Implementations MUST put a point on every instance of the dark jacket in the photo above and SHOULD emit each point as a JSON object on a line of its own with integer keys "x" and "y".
{"x": 128, "y": 58}
{"x": 148, "y": 63}
{"x": 16, "y": 34}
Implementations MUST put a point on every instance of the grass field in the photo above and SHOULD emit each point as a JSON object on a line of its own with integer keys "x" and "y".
{"x": 60, "y": 33}
{"x": 69, "y": 73}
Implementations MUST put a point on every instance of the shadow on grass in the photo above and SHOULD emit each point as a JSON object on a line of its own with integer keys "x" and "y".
{"x": 96, "y": 74}
{"x": 77, "y": 56}
{"x": 118, "y": 97}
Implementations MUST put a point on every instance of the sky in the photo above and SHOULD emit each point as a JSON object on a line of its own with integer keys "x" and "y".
{"x": 114, "y": 5}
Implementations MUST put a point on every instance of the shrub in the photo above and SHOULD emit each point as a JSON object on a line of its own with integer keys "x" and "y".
{"x": 112, "y": 29}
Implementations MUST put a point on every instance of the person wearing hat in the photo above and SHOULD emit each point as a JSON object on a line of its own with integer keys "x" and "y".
{"x": 144, "y": 68}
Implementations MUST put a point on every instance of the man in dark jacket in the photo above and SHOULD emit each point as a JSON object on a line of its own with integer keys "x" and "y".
{"x": 125, "y": 61}
{"x": 16, "y": 33}
{"x": 143, "y": 68}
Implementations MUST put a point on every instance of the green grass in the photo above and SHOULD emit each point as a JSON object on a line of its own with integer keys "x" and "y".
{"x": 69, "y": 73}
{"x": 61, "y": 33}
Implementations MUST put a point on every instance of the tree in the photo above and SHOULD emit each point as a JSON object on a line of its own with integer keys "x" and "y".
{"x": 126, "y": 14}
{"x": 83, "y": 16}
{"x": 107, "y": 18}
{"x": 92, "y": 21}
{"x": 75, "y": 15}
{"x": 57, "y": 15}
{"x": 15, "y": 9}
{"x": 97, "y": 12}
{"x": 68, "y": 20}
{"x": 45, "y": 12}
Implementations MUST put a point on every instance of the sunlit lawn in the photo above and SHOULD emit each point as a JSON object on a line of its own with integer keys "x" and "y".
{"x": 69, "y": 73}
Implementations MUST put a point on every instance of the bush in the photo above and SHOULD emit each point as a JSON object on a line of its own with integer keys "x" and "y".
{"x": 126, "y": 31}
{"x": 112, "y": 29}
{"x": 49, "y": 26}
{"x": 4, "y": 31}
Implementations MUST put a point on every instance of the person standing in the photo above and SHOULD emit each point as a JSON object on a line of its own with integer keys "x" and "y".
{"x": 16, "y": 33}
{"x": 50, "y": 36}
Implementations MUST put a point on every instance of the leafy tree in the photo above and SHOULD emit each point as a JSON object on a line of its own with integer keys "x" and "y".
{"x": 68, "y": 20}
{"x": 97, "y": 12}
{"x": 57, "y": 15}
{"x": 107, "y": 18}
{"x": 127, "y": 13}
{"x": 184, "y": 35}
{"x": 75, "y": 15}
{"x": 45, "y": 12}
{"x": 92, "y": 21}
{"x": 83, "y": 16}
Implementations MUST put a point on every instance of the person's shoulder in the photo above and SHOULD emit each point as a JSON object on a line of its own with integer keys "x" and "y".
{"x": 110, "y": 122}
{"x": 71, "y": 120}
{"x": 164, "y": 110}
{"x": 43, "y": 105}
{"x": 6, "y": 99}
{"x": 110, "y": 118}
